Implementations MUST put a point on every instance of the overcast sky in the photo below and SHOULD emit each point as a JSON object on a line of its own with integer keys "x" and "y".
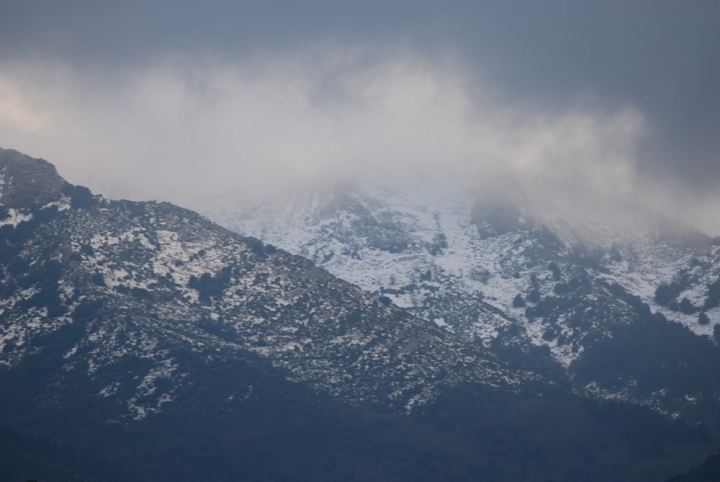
{"x": 185, "y": 99}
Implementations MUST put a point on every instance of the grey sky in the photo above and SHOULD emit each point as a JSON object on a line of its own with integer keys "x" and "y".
{"x": 643, "y": 73}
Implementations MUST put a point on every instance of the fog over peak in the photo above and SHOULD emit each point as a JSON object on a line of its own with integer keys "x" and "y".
{"x": 576, "y": 104}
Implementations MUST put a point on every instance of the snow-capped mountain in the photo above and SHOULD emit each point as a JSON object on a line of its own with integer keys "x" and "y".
{"x": 547, "y": 288}
{"x": 141, "y": 278}
{"x": 161, "y": 346}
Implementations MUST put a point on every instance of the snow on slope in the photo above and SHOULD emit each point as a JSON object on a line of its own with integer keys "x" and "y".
{"x": 437, "y": 251}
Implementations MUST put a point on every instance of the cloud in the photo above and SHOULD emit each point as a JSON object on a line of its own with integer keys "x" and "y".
{"x": 180, "y": 128}
{"x": 16, "y": 114}
{"x": 591, "y": 99}
{"x": 183, "y": 131}
{"x": 659, "y": 57}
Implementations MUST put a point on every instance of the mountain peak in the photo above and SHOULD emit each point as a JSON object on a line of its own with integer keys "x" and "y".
{"x": 25, "y": 181}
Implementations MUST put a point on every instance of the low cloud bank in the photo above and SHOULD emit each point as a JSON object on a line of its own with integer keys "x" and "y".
{"x": 183, "y": 131}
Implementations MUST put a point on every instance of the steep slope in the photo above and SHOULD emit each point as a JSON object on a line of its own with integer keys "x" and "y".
{"x": 549, "y": 290}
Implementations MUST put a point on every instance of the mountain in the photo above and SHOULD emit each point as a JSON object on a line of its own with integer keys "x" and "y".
{"x": 623, "y": 308}
{"x": 140, "y": 341}
{"x": 153, "y": 276}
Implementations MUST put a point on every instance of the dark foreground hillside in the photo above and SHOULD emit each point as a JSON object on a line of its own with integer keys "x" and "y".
{"x": 138, "y": 341}
{"x": 278, "y": 430}
{"x": 709, "y": 471}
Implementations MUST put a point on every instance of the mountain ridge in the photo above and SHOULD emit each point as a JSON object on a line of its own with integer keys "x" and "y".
{"x": 540, "y": 289}
{"x": 151, "y": 262}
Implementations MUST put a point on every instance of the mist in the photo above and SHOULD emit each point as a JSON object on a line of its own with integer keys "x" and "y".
{"x": 184, "y": 131}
